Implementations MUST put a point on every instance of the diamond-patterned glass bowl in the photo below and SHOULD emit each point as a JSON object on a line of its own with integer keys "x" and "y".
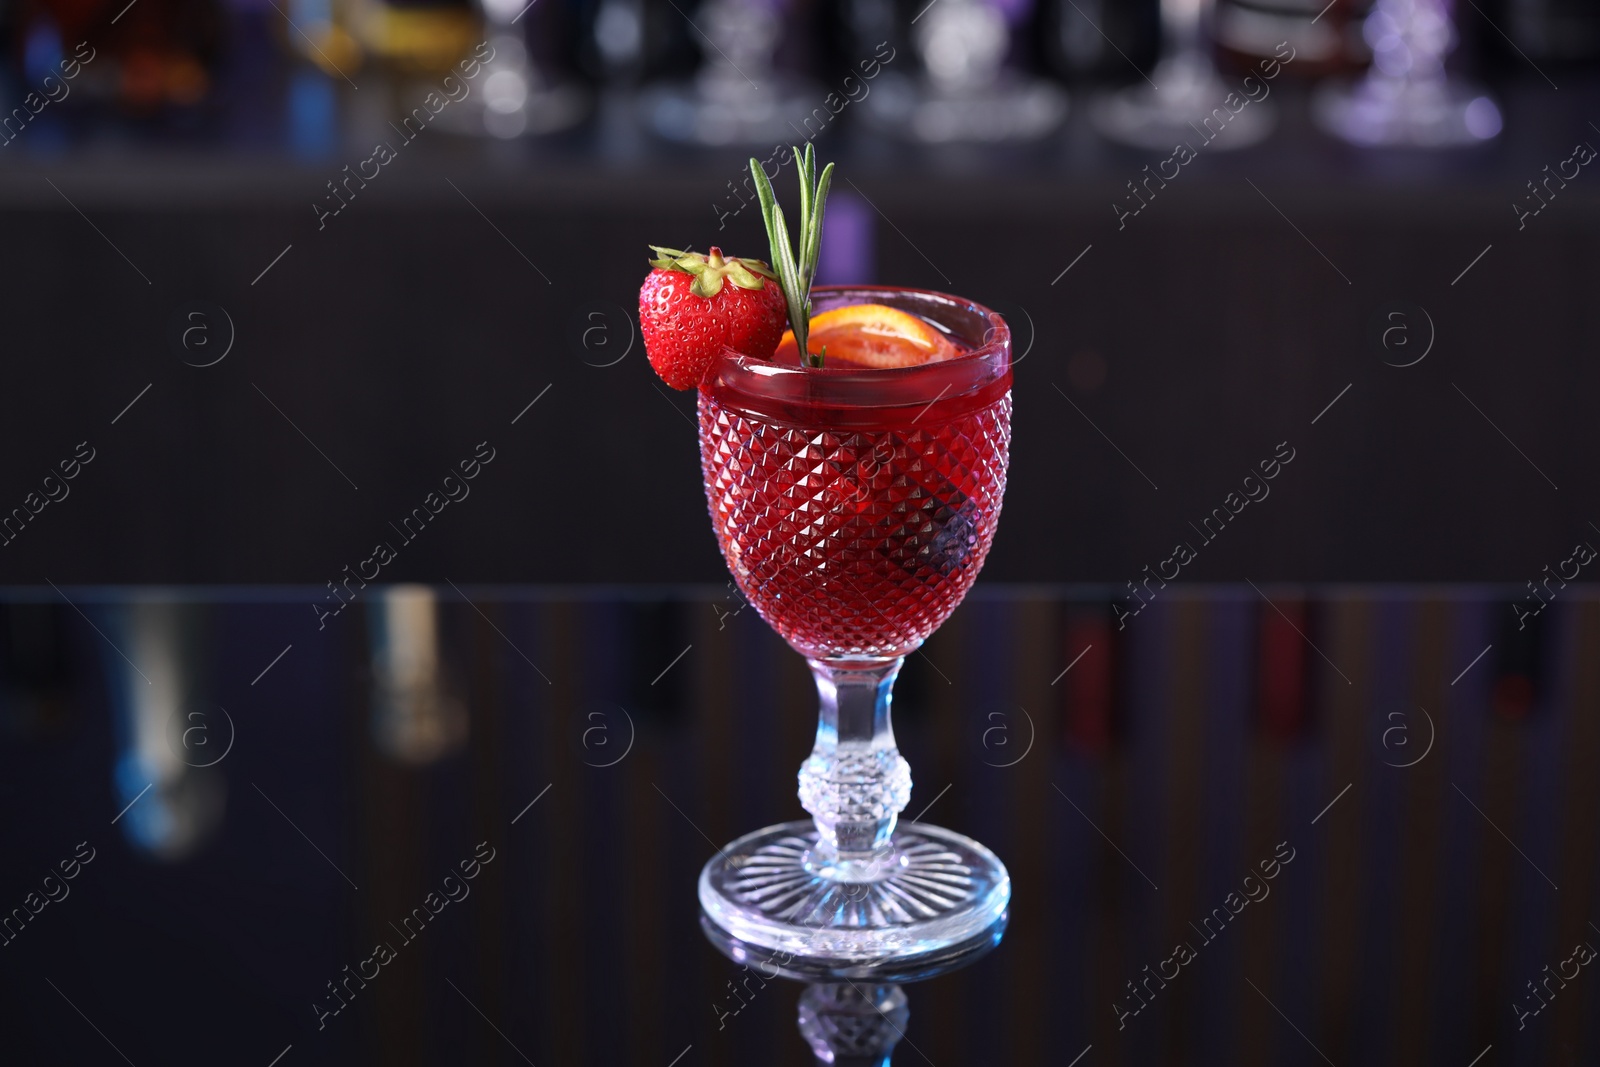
{"x": 855, "y": 507}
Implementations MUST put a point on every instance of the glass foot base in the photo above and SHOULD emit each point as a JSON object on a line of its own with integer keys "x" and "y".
{"x": 808, "y": 969}
{"x": 929, "y": 891}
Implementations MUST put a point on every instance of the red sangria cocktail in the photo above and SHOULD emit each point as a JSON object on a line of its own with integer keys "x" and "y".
{"x": 855, "y": 505}
{"x": 854, "y": 468}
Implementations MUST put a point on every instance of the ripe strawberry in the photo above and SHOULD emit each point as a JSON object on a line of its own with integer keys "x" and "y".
{"x": 688, "y": 315}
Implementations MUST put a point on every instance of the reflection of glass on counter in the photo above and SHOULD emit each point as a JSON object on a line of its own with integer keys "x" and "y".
{"x": 416, "y": 718}
{"x": 169, "y": 738}
{"x": 851, "y": 1014}
{"x": 853, "y": 1024}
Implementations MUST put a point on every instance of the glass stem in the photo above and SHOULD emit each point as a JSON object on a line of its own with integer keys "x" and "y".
{"x": 855, "y": 782}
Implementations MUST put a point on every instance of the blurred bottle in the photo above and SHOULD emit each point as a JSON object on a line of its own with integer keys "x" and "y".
{"x": 1326, "y": 37}
{"x": 864, "y": 23}
{"x": 1286, "y": 677}
{"x": 415, "y": 36}
{"x": 1092, "y": 692}
{"x": 311, "y": 112}
{"x": 143, "y": 55}
{"x": 423, "y": 37}
{"x": 320, "y": 32}
{"x": 614, "y": 45}
{"x": 1408, "y": 97}
{"x": 1517, "y": 671}
{"x": 1100, "y": 40}
{"x": 523, "y": 88}
{"x": 169, "y": 737}
{"x": 416, "y": 716}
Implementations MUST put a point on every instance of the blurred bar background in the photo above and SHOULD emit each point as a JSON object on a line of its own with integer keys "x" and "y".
{"x": 283, "y": 271}
{"x": 249, "y": 233}
{"x": 1399, "y": 931}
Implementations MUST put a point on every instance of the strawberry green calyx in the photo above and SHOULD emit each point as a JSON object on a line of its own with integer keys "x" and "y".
{"x": 796, "y": 267}
{"x": 712, "y": 269}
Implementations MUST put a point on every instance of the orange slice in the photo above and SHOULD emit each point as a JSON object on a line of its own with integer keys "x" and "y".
{"x": 872, "y": 335}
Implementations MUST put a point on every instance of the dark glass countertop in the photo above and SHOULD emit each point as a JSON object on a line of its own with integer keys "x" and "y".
{"x": 249, "y": 804}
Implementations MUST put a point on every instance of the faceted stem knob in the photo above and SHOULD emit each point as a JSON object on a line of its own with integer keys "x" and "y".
{"x": 850, "y": 1024}
{"x": 855, "y": 783}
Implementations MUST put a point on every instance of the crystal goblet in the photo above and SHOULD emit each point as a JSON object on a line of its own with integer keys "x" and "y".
{"x": 854, "y": 508}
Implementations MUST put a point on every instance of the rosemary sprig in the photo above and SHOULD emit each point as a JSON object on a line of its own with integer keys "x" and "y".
{"x": 796, "y": 267}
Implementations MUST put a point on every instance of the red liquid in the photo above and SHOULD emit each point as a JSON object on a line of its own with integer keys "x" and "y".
{"x": 856, "y": 529}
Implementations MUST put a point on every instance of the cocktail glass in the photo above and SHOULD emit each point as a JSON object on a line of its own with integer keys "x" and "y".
{"x": 855, "y": 508}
